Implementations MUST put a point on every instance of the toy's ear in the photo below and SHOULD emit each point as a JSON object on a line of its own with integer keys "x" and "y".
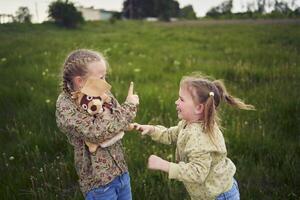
{"x": 79, "y": 97}
{"x": 95, "y": 87}
{"x": 105, "y": 98}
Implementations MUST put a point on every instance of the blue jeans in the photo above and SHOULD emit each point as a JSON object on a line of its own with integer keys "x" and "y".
{"x": 118, "y": 189}
{"x": 232, "y": 194}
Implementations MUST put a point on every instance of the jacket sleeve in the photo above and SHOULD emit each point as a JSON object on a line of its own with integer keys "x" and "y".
{"x": 165, "y": 135}
{"x": 78, "y": 124}
{"x": 197, "y": 166}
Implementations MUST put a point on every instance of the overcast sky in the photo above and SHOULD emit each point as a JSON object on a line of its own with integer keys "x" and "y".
{"x": 38, "y": 8}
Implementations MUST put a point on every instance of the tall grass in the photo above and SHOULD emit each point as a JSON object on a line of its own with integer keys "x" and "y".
{"x": 258, "y": 62}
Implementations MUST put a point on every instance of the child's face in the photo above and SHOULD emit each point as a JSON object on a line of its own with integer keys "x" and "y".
{"x": 96, "y": 70}
{"x": 185, "y": 106}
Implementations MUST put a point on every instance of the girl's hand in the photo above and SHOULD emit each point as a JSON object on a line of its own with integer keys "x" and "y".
{"x": 145, "y": 129}
{"x": 130, "y": 127}
{"x": 131, "y": 97}
{"x": 157, "y": 163}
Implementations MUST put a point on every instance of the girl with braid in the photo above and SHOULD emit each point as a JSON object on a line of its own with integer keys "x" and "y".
{"x": 201, "y": 157}
{"x": 103, "y": 174}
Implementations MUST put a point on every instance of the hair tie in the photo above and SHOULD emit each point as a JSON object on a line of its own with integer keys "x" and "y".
{"x": 211, "y": 94}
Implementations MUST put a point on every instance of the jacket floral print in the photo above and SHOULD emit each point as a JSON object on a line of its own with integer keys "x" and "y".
{"x": 202, "y": 165}
{"x": 101, "y": 167}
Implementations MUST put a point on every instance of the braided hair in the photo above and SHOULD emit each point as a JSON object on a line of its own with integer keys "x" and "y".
{"x": 76, "y": 65}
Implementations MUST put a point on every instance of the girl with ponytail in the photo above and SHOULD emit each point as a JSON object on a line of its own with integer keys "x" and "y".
{"x": 201, "y": 157}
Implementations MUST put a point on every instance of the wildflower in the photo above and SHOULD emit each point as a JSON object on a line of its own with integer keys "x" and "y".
{"x": 11, "y": 158}
{"x": 137, "y": 70}
{"x": 3, "y": 59}
{"x": 48, "y": 101}
{"x": 176, "y": 62}
{"x": 169, "y": 157}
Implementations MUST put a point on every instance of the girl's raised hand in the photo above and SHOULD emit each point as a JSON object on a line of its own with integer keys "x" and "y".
{"x": 131, "y": 97}
{"x": 144, "y": 129}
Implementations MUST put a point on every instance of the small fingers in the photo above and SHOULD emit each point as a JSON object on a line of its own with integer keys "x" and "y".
{"x": 144, "y": 132}
{"x": 130, "y": 90}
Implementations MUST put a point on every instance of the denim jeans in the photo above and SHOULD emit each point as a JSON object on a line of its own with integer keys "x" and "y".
{"x": 232, "y": 194}
{"x": 118, "y": 189}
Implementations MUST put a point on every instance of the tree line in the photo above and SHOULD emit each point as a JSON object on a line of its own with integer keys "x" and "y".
{"x": 258, "y": 9}
{"x": 64, "y": 13}
{"x": 161, "y": 9}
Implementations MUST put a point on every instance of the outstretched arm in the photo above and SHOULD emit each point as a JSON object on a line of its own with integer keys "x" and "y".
{"x": 159, "y": 133}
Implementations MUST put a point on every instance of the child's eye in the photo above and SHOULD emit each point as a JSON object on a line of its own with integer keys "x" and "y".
{"x": 103, "y": 77}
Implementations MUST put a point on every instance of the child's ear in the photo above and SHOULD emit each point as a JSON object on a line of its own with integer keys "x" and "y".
{"x": 78, "y": 81}
{"x": 199, "y": 108}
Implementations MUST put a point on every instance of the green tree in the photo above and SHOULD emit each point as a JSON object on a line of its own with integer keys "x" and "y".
{"x": 261, "y": 4}
{"x": 297, "y": 11}
{"x": 281, "y": 7}
{"x": 139, "y": 9}
{"x": 223, "y": 9}
{"x": 65, "y": 14}
{"x": 23, "y": 15}
{"x": 188, "y": 12}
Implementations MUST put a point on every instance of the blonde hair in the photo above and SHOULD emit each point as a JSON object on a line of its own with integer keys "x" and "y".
{"x": 210, "y": 93}
{"x": 76, "y": 65}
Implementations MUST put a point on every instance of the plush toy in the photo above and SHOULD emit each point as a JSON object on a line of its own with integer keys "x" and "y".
{"x": 94, "y": 99}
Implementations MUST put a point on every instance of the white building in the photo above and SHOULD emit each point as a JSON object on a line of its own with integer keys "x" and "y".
{"x": 92, "y": 14}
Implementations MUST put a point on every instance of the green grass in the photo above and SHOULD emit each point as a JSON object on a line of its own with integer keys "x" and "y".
{"x": 260, "y": 63}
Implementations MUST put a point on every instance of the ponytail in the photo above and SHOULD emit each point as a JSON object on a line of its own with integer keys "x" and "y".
{"x": 231, "y": 100}
{"x": 210, "y": 115}
{"x": 210, "y": 94}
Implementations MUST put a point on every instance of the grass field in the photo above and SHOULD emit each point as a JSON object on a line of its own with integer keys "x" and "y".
{"x": 259, "y": 63}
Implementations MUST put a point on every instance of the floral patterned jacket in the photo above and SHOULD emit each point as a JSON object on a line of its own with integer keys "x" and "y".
{"x": 101, "y": 167}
